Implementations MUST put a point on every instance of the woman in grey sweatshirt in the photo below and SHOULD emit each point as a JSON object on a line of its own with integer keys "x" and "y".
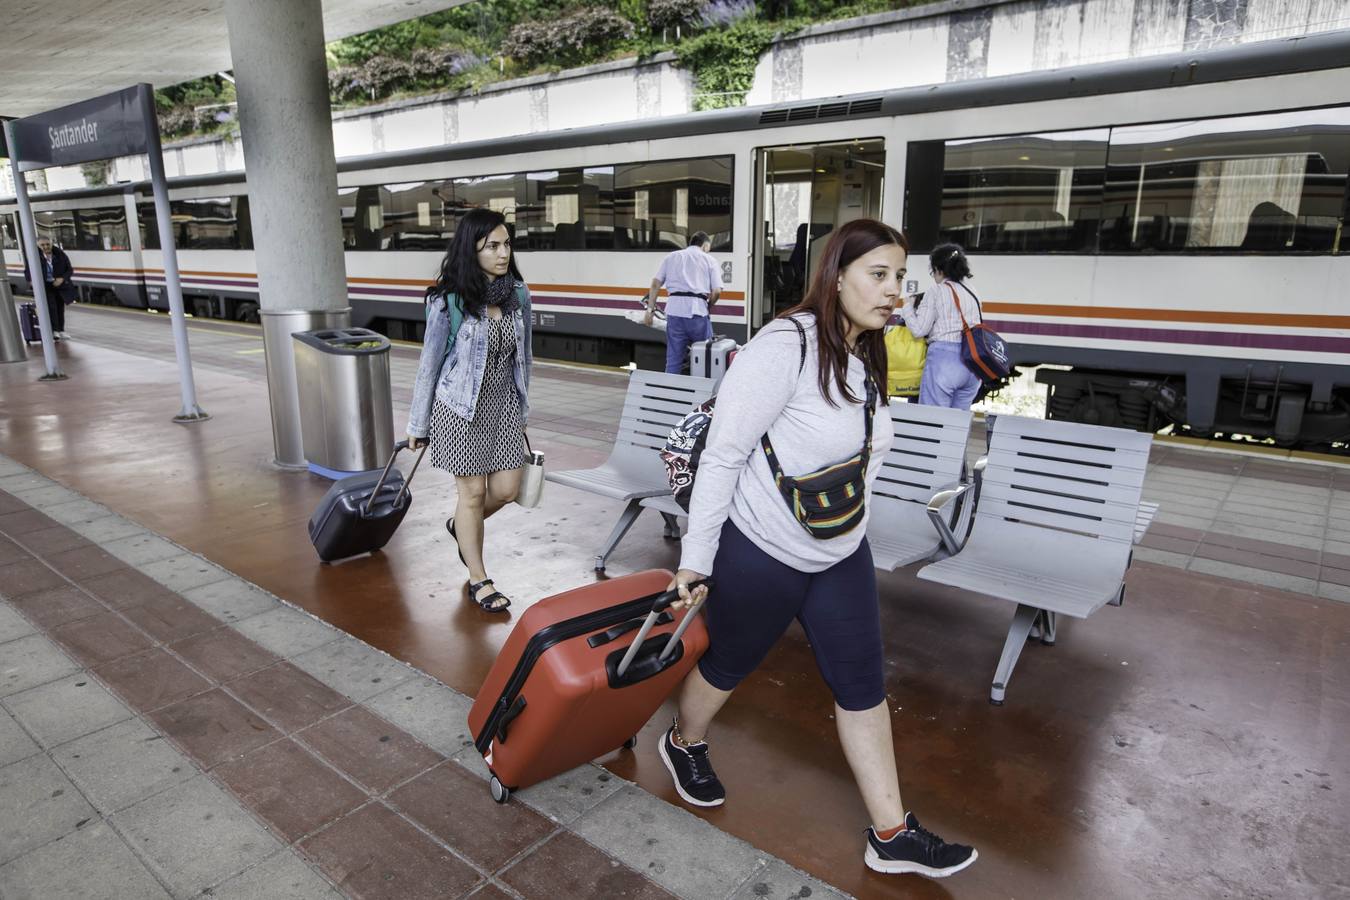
{"x": 802, "y": 381}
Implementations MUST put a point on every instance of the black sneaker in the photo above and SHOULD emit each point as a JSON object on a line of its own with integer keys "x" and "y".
{"x": 695, "y": 779}
{"x": 917, "y": 850}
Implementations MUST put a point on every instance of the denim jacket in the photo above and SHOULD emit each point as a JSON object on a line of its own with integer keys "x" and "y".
{"x": 455, "y": 377}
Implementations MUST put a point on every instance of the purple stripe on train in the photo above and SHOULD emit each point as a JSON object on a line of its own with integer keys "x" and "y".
{"x": 1248, "y": 340}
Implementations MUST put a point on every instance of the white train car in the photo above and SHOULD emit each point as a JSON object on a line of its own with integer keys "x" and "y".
{"x": 1165, "y": 236}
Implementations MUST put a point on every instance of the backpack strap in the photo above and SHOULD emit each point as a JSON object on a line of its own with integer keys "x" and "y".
{"x": 455, "y": 312}
{"x": 801, "y": 335}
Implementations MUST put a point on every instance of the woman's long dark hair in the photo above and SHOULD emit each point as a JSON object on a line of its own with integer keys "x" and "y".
{"x": 855, "y": 239}
{"x": 460, "y": 273}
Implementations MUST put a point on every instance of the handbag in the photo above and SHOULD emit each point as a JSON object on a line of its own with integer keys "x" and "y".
{"x": 905, "y": 356}
{"x": 982, "y": 350}
{"x": 532, "y": 479}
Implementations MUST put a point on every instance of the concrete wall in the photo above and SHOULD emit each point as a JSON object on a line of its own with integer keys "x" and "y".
{"x": 948, "y": 41}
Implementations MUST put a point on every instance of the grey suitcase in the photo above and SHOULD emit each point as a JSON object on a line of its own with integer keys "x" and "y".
{"x": 710, "y": 358}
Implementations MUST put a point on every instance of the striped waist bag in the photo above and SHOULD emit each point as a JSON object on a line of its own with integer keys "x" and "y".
{"x": 830, "y": 501}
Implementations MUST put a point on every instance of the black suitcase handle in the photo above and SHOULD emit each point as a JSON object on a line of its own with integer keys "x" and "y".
{"x": 401, "y": 445}
{"x": 663, "y": 602}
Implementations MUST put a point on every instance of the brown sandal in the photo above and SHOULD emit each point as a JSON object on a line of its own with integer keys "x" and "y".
{"x": 488, "y": 603}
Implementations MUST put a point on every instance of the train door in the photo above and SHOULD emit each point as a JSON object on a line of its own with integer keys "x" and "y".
{"x": 802, "y": 193}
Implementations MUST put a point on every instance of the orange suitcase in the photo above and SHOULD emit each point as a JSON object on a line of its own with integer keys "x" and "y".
{"x": 560, "y": 694}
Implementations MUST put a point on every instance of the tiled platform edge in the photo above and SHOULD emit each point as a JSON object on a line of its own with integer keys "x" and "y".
{"x": 168, "y": 729}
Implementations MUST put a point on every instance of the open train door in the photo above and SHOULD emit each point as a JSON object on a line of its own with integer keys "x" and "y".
{"x": 802, "y": 193}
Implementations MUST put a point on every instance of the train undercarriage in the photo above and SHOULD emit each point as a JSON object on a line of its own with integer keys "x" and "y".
{"x": 1265, "y": 404}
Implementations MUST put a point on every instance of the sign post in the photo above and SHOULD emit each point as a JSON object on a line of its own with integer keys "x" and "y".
{"x": 117, "y": 124}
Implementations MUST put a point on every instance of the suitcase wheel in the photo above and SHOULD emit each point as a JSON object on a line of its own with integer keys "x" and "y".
{"x": 500, "y": 792}
{"x": 630, "y": 743}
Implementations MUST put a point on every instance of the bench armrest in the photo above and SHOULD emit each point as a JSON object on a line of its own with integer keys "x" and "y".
{"x": 938, "y": 515}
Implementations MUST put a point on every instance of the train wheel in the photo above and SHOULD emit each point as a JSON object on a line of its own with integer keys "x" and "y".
{"x": 201, "y": 307}
{"x": 247, "y": 312}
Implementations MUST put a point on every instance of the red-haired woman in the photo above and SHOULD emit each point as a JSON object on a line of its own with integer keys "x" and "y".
{"x": 804, "y": 405}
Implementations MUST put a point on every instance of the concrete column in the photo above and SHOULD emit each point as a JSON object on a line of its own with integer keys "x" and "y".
{"x": 285, "y": 123}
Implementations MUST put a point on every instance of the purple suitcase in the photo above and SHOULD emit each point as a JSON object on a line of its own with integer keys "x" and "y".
{"x": 28, "y": 323}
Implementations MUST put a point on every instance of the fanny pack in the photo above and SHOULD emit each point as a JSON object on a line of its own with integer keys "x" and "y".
{"x": 828, "y": 502}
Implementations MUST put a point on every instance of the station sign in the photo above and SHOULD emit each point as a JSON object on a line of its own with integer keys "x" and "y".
{"x": 102, "y": 128}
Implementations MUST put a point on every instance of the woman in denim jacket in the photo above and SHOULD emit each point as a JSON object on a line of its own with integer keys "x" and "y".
{"x": 470, "y": 401}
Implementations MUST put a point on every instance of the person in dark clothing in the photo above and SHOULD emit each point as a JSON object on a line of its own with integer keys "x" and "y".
{"x": 57, "y": 273}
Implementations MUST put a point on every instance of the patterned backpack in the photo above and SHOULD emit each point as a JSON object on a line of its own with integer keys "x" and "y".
{"x": 687, "y": 439}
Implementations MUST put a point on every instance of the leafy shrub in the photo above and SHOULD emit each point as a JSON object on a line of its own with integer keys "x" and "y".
{"x": 723, "y": 61}
{"x": 671, "y": 13}
{"x": 584, "y": 32}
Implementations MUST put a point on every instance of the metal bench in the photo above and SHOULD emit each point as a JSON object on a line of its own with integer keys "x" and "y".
{"x": 634, "y": 471}
{"x": 1058, "y": 512}
{"x": 922, "y": 472}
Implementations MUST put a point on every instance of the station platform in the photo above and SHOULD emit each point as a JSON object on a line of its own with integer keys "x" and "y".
{"x": 195, "y": 704}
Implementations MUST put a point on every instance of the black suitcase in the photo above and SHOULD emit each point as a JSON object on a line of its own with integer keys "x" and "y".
{"x": 28, "y": 323}
{"x": 360, "y": 513}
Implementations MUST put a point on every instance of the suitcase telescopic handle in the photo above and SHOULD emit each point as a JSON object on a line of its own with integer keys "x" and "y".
{"x": 401, "y": 445}
{"x": 663, "y": 601}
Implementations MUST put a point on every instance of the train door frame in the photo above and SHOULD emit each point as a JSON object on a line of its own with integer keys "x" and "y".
{"x": 131, "y": 202}
{"x": 856, "y": 151}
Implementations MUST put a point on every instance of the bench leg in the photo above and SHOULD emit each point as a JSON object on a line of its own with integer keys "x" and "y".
{"x": 1022, "y": 621}
{"x": 672, "y": 529}
{"x": 626, "y": 520}
{"x": 1048, "y": 622}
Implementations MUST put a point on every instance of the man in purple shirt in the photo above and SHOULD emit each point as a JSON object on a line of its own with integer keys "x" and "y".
{"x": 693, "y": 282}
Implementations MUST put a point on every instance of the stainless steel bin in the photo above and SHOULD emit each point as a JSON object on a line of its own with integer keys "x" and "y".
{"x": 346, "y": 412}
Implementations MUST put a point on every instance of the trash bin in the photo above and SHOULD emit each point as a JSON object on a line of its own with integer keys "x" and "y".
{"x": 346, "y": 413}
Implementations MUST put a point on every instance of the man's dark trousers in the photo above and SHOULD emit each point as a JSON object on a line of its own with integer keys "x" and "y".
{"x": 56, "y": 307}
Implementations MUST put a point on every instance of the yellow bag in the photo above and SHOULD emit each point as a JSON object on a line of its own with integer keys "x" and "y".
{"x": 905, "y": 355}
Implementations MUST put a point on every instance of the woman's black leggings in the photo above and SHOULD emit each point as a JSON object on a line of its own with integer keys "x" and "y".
{"x": 755, "y": 599}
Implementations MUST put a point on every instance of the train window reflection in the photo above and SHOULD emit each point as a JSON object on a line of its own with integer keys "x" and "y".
{"x": 1033, "y": 193}
{"x": 9, "y": 232}
{"x": 103, "y": 228}
{"x": 418, "y": 215}
{"x": 1267, "y": 183}
{"x": 657, "y": 205}
{"x": 212, "y": 223}
{"x": 58, "y": 226}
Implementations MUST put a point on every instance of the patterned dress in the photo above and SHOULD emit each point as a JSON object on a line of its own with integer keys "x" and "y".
{"x": 495, "y": 440}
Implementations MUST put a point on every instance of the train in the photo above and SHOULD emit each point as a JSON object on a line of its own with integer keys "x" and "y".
{"x": 1162, "y": 239}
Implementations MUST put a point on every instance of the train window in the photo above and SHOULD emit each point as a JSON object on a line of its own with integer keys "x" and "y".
{"x": 657, "y": 205}
{"x": 103, "y": 228}
{"x": 58, "y": 226}
{"x": 1026, "y": 193}
{"x": 9, "y": 232}
{"x": 145, "y": 213}
{"x": 1263, "y": 183}
{"x": 503, "y": 193}
{"x": 418, "y": 215}
{"x": 217, "y": 223}
{"x": 362, "y": 213}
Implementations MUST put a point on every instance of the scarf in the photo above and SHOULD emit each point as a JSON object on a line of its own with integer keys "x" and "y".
{"x": 502, "y": 292}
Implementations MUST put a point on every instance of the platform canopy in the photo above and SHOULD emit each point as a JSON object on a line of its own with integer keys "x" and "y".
{"x": 54, "y": 52}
